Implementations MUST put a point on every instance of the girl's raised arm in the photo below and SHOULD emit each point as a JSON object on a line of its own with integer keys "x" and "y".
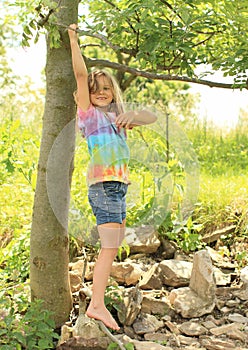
{"x": 80, "y": 70}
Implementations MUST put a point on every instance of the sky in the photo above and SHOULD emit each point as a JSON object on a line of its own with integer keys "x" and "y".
{"x": 222, "y": 106}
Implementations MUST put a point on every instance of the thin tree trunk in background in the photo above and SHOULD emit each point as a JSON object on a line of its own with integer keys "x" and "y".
{"x": 49, "y": 258}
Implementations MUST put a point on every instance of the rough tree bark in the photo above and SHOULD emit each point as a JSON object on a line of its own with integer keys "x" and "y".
{"x": 49, "y": 236}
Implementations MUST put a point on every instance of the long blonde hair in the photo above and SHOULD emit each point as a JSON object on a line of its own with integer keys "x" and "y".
{"x": 117, "y": 102}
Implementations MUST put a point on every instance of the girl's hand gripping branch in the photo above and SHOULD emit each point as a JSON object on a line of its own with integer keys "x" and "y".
{"x": 135, "y": 118}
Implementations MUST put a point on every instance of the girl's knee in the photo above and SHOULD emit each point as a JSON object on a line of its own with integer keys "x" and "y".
{"x": 111, "y": 237}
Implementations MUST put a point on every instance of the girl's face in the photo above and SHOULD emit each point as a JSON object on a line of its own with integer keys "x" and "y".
{"x": 103, "y": 96}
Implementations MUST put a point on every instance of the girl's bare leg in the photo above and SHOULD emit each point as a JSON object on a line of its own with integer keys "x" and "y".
{"x": 97, "y": 308}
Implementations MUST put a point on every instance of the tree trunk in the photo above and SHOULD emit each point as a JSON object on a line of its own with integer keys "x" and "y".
{"x": 49, "y": 258}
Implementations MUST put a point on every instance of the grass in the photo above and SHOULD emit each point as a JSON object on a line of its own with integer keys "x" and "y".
{"x": 222, "y": 200}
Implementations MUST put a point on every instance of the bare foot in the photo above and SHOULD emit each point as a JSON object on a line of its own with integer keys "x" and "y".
{"x": 102, "y": 314}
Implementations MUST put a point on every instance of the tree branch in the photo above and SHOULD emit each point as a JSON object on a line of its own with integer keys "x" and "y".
{"x": 43, "y": 19}
{"x": 155, "y": 76}
{"x": 136, "y": 72}
{"x": 101, "y": 37}
{"x": 106, "y": 41}
{"x": 172, "y": 9}
{"x": 110, "y": 335}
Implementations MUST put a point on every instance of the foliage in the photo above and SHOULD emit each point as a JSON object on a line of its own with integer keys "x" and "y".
{"x": 176, "y": 38}
{"x": 124, "y": 248}
{"x": 33, "y": 16}
{"x": 7, "y": 35}
{"x": 155, "y": 36}
{"x": 220, "y": 153}
{"x": 19, "y": 146}
{"x": 25, "y": 326}
{"x": 185, "y": 232}
{"x": 112, "y": 298}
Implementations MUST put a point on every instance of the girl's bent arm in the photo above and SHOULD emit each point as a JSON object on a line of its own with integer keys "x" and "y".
{"x": 135, "y": 118}
{"x": 80, "y": 71}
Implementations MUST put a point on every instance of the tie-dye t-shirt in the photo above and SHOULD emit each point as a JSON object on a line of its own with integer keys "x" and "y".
{"x": 107, "y": 146}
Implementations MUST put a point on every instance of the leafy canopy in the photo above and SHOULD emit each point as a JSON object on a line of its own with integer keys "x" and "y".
{"x": 175, "y": 36}
{"x": 157, "y": 39}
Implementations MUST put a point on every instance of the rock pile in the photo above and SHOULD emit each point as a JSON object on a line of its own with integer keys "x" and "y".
{"x": 171, "y": 304}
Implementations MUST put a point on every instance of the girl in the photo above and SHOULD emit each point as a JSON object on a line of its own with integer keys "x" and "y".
{"x": 102, "y": 121}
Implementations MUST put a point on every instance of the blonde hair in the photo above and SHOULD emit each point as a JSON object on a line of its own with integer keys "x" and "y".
{"x": 117, "y": 102}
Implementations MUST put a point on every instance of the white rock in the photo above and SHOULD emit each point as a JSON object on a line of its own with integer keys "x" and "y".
{"x": 244, "y": 275}
{"x": 175, "y": 273}
{"x": 189, "y": 304}
{"x": 147, "y": 324}
{"x": 202, "y": 278}
{"x": 142, "y": 239}
{"x": 192, "y": 329}
{"x": 238, "y": 318}
{"x": 125, "y": 272}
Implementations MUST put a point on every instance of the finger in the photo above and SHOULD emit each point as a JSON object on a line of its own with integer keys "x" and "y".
{"x": 128, "y": 123}
{"x": 120, "y": 122}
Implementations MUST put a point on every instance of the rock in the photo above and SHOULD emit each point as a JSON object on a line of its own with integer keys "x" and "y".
{"x": 214, "y": 236}
{"x": 224, "y": 310}
{"x": 238, "y": 318}
{"x": 175, "y": 273}
{"x": 202, "y": 278}
{"x": 79, "y": 343}
{"x": 213, "y": 320}
{"x": 166, "y": 318}
{"x": 147, "y": 324}
{"x": 188, "y": 304}
{"x": 155, "y": 306}
{"x": 219, "y": 260}
{"x": 238, "y": 335}
{"x": 66, "y": 333}
{"x": 225, "y": 329}
{"x": 218, "y": 344}
{"x": 199, "y": 298}
{"x": 125, "y": 272}
{"x": 151, "y": 278}
{"x": 148, "y": 345}
{"x": 143, "y": 345}
{"x": 75, "y": 281}
{"x": 193, "y": 348}
{"x": 142, "y": 239}
{"x": 87, "y": 328}
{"x": 172, "y": 327}
{"x": 157, "y": 337}
{"x": 169, "y": 248}
{"x": 233, "y": 303}
{"x": 182, "y": 340}
{"x": 244, "y": 276}
{"x": 79, "y": 266}
{"x": 222, "y": 279}
{"x": 209, "y": 324}
{"x": 192, "y": 329}
{"x": 130, "y": 306}
{"x": 243, "y": 292}
{"x": 128, "y": 330}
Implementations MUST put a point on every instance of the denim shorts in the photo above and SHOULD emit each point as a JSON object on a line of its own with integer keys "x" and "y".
{"x": 108, "y": 201}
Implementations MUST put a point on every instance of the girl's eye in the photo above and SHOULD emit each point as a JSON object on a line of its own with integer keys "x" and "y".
{"x": 106, "y": 88}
